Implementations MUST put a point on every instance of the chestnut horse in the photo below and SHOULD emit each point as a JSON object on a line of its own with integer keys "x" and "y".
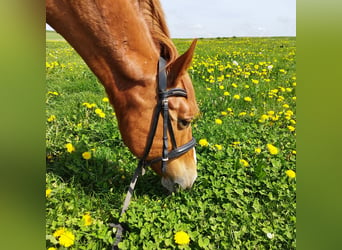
{"x": 121, "y": 41}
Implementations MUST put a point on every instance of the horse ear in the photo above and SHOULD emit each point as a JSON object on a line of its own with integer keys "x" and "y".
{"x": 181, "y": 64}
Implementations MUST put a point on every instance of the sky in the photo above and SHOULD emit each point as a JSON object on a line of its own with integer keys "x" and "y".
{"x": 227, "y": 18}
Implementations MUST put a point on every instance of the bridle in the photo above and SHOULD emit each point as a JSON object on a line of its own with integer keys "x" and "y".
{"x": 163, "y": 109}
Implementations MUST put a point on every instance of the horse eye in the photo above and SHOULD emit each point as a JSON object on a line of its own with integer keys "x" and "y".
{"x": 184, "y": 123}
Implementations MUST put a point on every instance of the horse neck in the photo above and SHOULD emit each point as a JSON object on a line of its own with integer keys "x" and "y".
{"x": 112, "y": 38}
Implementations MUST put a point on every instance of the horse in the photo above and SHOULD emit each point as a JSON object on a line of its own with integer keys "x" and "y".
{"x": 127, "y": 45}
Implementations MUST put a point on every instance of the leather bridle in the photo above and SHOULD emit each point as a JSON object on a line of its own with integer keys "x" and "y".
{"x": 163, "y": 108}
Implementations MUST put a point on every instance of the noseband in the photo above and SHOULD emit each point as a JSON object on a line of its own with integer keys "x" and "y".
{"x": 163, "y": 108}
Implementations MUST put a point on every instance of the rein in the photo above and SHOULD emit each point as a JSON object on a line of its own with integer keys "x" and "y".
{"x": 163, "y": 109}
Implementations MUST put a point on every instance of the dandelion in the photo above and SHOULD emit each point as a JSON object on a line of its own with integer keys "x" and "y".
{"x": 272, "y": 149}
{"x": 242, "y": 113}
{"x": 105, "y": 99}
{"x": 51, "y": 118}
{"x": 255, "y": 81}
{"x": 66, "y": 239}
{"x": 86, "y": 155}
{"x": 286, "y": 106}
{"x": 263, "y": 118}
{"x": 291, "y": 128}
{"x": 69, "y": 147}
{"x": 244, "y": 163}
{"x": 48, "y": 192}
{"x": 218, "y": 146}
{"x": 98, "y": 111}
{"x": 236, "y": 97}
{"x": 203, "y": 143}
{"x": 53, "y": 93}
{"x": 257, "y": 150}
{"x": 86, "y": 104}
{"x": 87, "y": 219}
{"x": 102, "y": 115}
{"x": 209, "y": 89}
{"x": 218, "y": 121}
{"x": 221, "y": 87}
{"x": 226, "y": 93}
{"x": 247, "y": 99}
{"x": 224, "y": 113}
{"x": 52, "y": 248}
{"x": 182, "y": 238}
{"x": 234, "y": 85}
{"x": 290, "y": 173}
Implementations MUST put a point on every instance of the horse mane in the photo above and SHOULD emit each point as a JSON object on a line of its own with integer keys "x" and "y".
{"x": 155, "y": 19}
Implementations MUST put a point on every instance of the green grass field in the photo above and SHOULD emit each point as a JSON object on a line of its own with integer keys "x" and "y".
{"x": 53, "y": 36}
{"x": 245, "y": 193}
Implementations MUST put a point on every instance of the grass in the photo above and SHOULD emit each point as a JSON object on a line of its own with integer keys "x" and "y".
{"x": 245, "y": 194}
{"x": 53, "y": 36}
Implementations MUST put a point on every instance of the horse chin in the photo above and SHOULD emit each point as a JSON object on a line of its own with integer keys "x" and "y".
{"x": 181, "y": 176}
{"x": 178, "y": 184}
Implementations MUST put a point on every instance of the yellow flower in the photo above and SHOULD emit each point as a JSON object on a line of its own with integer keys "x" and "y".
{"x": 224, "y": 113}
{"x": 87, "y": 219}
{"x": 272, "y": 149}
{"x": 53, "y": 93}
{"x": 70, "y": 148}
{"x": 48, "y": 192}
{"x": 209, "y": 89}
{"x": 66, "y": 239}
{"x": 221, "y": 87}
{"x": 203, "y": 143}
{"x": 226, "y": 93}
{"x": 290, "y": 173}
{"x": 51, "y": 118}
{"x": 218, "y": 146}
{"x": 255, "y": 81}
{"x": 263, "y": 118}
{"x": 182, "y": 238}
{"x": 98, "y": 111}
{"x": 59, "y": 232}
{"x": 234, "y": 85}
{"x": 247, "y": 99}
{"x": 218, "y": 121}
{"x": 237, "y": 97}
{"x": 86, "y": 155}
{"x": 101, "y": 114}
{"x": 88, "y": 105}
{"x": 257, "y": 150}
{"x": 291, "y": 128}
{"x": 105, "y": 99}
{"x": 244, "y": 163}
{"x": 52, "y": 248}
